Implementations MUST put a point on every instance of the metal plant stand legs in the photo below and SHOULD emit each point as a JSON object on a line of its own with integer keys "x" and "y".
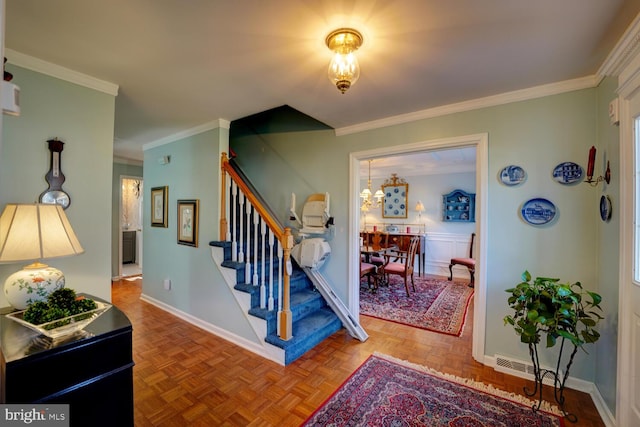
{"x": 559, "y": 380}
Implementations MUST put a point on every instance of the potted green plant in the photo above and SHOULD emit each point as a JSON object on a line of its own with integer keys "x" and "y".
{"x": 547, "y": 309}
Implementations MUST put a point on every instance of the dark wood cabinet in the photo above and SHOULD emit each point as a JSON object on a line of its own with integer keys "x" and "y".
{"x": 92, "y": 370}
{"x": 128, "y": 247}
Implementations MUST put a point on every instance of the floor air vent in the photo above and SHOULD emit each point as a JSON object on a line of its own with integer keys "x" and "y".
{"x": 520, "y": 368}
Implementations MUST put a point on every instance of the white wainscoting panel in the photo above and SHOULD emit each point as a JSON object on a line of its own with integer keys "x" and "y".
{"x": 441, "y": 247}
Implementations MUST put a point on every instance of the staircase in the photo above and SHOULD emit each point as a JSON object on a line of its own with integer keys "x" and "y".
{"x": 312, "y": 319}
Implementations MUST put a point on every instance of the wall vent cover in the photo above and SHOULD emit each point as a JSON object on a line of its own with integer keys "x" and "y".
{"x": 521, "y": 368}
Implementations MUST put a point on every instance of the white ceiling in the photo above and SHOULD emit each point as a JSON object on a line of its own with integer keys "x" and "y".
{"x": 180, "y": 64}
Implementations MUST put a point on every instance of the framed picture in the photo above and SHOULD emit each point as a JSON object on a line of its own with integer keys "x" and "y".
{"x": 188, "y": 222}
{"x": 395, "y": 191}
{"x": 159, "y": 196}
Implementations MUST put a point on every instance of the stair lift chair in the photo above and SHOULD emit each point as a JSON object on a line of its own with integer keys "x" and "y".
{"x": 313, "y": 249}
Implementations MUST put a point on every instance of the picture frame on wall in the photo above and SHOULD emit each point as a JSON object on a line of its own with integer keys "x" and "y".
{"x": 159, "y": 197}
{"x": 396, "y": 196}
{"x": 188, "y": 222}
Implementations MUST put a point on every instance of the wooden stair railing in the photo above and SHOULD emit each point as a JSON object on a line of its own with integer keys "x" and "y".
{"x": 266, "y": 231}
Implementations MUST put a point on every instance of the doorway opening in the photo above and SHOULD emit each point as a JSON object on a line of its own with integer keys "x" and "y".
{"x": 130, "y": 227}
{"x": 480, "y": 142}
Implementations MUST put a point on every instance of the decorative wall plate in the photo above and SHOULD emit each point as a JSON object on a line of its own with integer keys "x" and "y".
{"x": 605, "y": 208}
{"x": 538, "y": 211}
{"x": 512, "y": 175}
{"x": 568, "y": 173}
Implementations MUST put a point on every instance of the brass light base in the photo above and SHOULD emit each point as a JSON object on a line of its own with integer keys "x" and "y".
{"x": 344, "y": 40}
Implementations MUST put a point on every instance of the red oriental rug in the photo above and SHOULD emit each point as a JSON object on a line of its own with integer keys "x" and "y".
{"x": 389, "y": 392}
{"x": 437, "y": 305}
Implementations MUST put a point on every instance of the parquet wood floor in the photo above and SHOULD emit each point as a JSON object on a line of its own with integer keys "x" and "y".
{"x": 188, "y": 377}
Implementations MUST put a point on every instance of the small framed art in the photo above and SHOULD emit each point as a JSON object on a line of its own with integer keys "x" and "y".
{"x": 159, "y": 196}
{"x": 188, "y": 222}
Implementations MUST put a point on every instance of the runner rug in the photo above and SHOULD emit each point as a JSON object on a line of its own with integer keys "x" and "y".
{"x": 437, "y": 305}
{"x": 385, "y": 391}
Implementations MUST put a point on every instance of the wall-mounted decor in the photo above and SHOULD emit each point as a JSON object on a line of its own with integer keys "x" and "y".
{"x": 568, "y": 173}
{"x": 512, "y": 175}
{"x": 396, "y": 192}
{"x": 605, "y": 208}
{"x": 538, "y": 211}
{"x": 159, "y": 196}
{"x": 55, "y": 195}
{"x": 459, "y": 206}
{"x": 591, "y": 167}
{"x": 188, "y": 222}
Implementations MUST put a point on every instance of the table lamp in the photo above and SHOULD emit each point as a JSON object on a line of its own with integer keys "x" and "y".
{"x": 34, "y": 232}
{"x": 419, "y": 209}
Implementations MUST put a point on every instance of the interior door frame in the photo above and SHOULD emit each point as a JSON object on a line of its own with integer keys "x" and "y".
{"x": 122, "y": 178}
{"x": 628, "y": 87}
{"x": 480, "y": 141}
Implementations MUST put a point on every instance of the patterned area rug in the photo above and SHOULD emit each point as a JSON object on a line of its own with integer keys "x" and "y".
{"x": 437, "y": 305}
{"x": 389, "y": 392}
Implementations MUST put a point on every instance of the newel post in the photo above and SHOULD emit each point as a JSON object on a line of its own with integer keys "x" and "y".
{"x": 223, "y": 197}
{"x": 286, "y": 321}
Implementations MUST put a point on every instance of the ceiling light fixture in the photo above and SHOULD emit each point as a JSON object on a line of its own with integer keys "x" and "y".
{"x": 344, "y": 69}
{"x": 366, "y": 196}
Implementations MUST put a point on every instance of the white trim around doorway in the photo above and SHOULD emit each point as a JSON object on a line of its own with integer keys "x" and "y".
{"x": 480, "y": 141}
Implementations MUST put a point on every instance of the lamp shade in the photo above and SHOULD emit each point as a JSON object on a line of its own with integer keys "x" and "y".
{"x": 36, "y": 231}
{"x": 419, "y": 206}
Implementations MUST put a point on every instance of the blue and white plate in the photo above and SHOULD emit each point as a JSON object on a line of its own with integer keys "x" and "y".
{"x": 538, "y": 211}
{"x": 568, "y": 173}
{"x": 512, "y": 175}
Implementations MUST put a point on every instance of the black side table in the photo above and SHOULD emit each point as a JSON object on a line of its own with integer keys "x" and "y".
{"x": 91, "y": 370}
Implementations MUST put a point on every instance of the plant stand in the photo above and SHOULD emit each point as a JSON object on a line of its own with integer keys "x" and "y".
{"x": 558, "y": 380}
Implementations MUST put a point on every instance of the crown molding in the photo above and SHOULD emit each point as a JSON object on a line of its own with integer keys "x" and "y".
{"x": 214, "y": 124}
{"x": 624, "y": 51}
{"x": 59, "y": 72}
{"x": 474, "y": 104}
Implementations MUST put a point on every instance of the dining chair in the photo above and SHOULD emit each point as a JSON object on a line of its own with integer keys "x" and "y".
{"x": 379, "y": 242}
{"x": 402, "y": 264}
{"x": 371, "y": 271}
{"x": 469, "y": 262}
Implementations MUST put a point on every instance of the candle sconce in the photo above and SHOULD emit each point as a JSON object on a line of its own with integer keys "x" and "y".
{"x": 590, "y": 179}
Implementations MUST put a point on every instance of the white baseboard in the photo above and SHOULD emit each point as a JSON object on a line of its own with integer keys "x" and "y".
{"x": 572, "y": 383}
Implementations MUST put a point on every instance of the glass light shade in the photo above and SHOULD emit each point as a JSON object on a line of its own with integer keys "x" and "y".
{"x": 31, "y": 232}
{"x": 379, "y": 195}
{"x": 344, "y": 70}
{"x": 365, "y": 193}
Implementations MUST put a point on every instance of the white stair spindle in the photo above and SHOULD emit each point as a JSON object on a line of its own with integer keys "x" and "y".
{"x": 256, "y": 221}
{"x": 241, "y": 217}
{"x": 263, "y": 286}
{"x": 247, "y": 269}
{"x": 270, "y": 300}
{"x": 233, "y": 220}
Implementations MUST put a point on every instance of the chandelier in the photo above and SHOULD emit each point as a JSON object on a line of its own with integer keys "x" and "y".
{"x": 368, "y": 201}
{"x": 344, "y": 69}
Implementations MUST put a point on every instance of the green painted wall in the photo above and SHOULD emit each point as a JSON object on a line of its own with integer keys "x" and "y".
{"x": 537, "y": 134}
{"x": 119, "y": 170}
{"x": 197, "y": 285}
{"x": 83, "y": 118}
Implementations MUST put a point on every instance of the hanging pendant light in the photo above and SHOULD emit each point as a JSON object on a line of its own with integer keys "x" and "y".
{"x": 344, "y": 69}
{"x": 368, "y": 201}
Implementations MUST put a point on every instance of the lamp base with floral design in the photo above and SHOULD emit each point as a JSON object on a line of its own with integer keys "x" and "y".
{"x": 33, "y": 283}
